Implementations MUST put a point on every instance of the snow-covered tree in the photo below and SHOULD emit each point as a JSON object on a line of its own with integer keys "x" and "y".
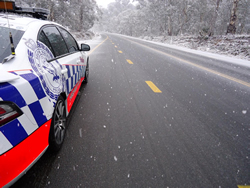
{"x": 171, "y": 17}
{"x": 78, "y": 15}
{"x": 233, "y": 18}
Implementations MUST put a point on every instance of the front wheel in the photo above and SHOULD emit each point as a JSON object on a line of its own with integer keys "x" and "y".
{"x": 58, "y": 125}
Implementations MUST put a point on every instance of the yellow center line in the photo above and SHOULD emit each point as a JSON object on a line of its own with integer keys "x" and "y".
{"x": 153, "y": 87}
{"x": 198, "y": 66}
{"x": 120, "y": 52}
{"x": 130, "y": 62}
{"x": 243, "y": 186}
{"x": 97, "y": 46}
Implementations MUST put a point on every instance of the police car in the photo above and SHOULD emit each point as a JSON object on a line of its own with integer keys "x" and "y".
{"x": 41, "y": 70}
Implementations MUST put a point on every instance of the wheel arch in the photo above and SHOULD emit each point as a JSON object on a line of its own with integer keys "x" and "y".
{"x": 58, "y": 122}
{"x": 64, "y": 95}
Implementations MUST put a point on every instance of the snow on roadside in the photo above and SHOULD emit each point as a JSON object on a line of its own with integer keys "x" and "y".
{"x": 83, "y": 35}
{"x": 230, "y": 45}
{"x": 222, "y": 57}
{"x": 230, "y": 48}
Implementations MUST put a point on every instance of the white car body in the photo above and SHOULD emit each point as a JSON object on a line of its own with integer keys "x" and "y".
{"x": 33, "y": 80}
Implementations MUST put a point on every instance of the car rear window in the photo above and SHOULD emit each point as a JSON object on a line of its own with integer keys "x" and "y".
{"x": 5, "y": 47}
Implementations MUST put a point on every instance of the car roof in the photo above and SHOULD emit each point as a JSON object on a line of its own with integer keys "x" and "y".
{"x": 20, "y": 22}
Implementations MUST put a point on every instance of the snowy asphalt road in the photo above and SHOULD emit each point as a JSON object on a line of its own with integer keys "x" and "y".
{"x": 191, "y": 132}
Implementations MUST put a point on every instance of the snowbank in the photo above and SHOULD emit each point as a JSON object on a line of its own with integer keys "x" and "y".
{"x": 83, "y": 35}
{"x": 230, "y": 45}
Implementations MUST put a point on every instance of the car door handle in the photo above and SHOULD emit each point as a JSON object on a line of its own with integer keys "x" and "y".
{"x": 64, "y": 71}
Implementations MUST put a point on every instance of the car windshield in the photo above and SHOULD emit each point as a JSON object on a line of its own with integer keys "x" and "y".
{"x": 5, "y": 47}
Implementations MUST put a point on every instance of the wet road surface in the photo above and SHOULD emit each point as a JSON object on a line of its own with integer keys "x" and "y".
{"x": 152, "y": 116}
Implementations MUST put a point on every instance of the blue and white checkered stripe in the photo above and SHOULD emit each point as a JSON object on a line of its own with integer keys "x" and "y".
{"x": 73, "y": 76}
{"x": 29, "y": 95}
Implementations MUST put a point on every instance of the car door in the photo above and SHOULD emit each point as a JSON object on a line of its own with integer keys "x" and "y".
{"x": 51, "y": 46}
{"x": 75, "y": 62}
{"x": 70, "y": 58}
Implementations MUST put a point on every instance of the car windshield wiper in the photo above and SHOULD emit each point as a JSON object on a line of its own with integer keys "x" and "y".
{"x": 8, "y": 58}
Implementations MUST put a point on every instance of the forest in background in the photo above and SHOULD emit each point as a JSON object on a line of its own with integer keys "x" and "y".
{"x": 174, "y": 18}
{"x": 76, "y": 15}
{"x": 196, "y": 24}
{"x": 150, "y": 17}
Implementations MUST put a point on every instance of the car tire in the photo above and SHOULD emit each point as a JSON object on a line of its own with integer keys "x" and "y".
{"x": 58, "y": 125}
{"x": 86, "y": 77}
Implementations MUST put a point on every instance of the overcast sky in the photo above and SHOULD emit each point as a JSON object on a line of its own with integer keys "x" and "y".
{"x": 104, "y": 3}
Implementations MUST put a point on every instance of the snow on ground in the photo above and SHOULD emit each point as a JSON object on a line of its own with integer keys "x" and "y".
{"x": 228, "y": 48}
{"x": 226, "y": 57}
{"x": 83, "y": 35}
{"x": 230, "y": 45}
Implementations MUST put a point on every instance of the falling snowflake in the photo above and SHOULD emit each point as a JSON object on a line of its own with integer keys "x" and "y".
{"x": 244, "y": 111}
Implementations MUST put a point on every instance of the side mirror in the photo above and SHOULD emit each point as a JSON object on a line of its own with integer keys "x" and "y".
{"x": 85, "y": 47}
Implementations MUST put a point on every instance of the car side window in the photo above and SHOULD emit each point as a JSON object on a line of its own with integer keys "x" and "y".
{"x": 42, "y": 37}
{"x": 55, "y": 39}
{"x": 70, "y": 41}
